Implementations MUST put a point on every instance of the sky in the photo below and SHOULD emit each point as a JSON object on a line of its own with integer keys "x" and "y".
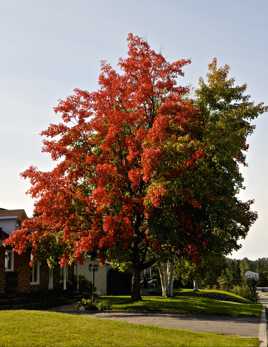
{"x": 50, "y": 47}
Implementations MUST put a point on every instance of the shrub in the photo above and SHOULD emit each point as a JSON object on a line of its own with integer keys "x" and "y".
{"x": 85, "y": 286}
{"x": 244, "y": 291}
{"x": 87, "y": 305}
{"x": 103, "y": 306}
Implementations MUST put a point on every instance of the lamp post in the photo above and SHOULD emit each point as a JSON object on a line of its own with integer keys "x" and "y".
{"x": 93, "y": 267}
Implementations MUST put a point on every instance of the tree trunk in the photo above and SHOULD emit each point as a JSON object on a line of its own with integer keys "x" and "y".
{"x": 166, "y": 272}
{"x": 136, "y": 285}
{"x": 195, "y": 285}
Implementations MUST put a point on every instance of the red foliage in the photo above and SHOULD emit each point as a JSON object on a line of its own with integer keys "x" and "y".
{"x": 116, "y": 155}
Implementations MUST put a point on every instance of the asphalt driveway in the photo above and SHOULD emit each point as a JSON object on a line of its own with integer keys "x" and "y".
{"x": 248, "y": 327}
{"x": 221, "y": 325}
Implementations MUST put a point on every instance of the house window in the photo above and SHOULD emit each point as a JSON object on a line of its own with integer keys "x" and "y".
{"x": 35, "y": 275}
{"x": 9, "y": 260}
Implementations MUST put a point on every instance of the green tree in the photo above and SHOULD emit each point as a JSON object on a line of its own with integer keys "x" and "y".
{"x": 227, "y": 114}
{"x": 221, "y": 219}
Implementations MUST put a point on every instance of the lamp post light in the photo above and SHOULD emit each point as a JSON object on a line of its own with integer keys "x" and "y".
{"x": 93, "y": 267}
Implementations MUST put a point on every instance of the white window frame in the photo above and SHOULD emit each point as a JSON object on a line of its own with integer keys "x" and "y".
{"x": 35, "y": 267}
{"x": 7, "y": 253}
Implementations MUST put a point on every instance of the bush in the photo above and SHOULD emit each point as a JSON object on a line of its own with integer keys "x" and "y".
{"x": 87, "y": 305}
{"x": 85, "y": 286}
{"x": 244, "y": 291}
{"x": 103, "y": 306}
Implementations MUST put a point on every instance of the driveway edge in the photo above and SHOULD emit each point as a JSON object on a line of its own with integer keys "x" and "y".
{"x": 262, "y": 329}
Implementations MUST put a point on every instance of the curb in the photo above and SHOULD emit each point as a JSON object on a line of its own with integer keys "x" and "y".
{"x": 262, "y": 330}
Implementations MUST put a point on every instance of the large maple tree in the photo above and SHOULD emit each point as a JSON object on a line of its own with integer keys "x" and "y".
{"x": 119, "y": 153}
{"x": 129, "y": 181}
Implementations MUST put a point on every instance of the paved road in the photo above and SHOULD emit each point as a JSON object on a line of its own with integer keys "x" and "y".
{"x": 222, "y": 325}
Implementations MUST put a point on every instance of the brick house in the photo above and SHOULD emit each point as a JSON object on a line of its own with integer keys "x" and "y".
{"x": 16, "y": 276}
{"x": 11, "y": 279}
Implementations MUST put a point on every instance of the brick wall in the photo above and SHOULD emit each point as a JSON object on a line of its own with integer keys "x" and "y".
{"x": 23, "y": 270}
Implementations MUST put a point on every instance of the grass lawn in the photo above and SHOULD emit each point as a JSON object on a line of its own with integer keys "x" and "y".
{"x": 213, "y": 294}
{"x": 211, "y": 302}
{"x": 48, "y": 329}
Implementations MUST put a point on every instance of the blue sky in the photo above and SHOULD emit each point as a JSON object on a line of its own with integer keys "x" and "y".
{"x": 48, "y": 48}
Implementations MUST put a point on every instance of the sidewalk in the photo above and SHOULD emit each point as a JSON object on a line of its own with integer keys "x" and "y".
{"x": 263, "y": 299}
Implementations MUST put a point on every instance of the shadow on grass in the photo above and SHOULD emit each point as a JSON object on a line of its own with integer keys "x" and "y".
{"x": 184, "y": 305}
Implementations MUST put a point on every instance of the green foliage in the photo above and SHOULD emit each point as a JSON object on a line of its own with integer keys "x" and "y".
{"x": 227, "y": 115}
{"x": 51, "y": 248}
{"x": 225, "y": 280}
{"x": 224, "y": 273}
{"x": 206, "y": 271}
{"x": 214, "y": 215}
{"x": 103, "y": 306}
{"x": 243, "y": 291}
{"x": 233, "y": 276}
{"x": 252, "y": 284}
{"x": 87, "y": 305}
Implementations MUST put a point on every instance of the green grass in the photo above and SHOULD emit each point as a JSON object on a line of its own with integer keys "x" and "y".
{"x": 213, "y": 294}
{"x": 49, "y": 329}
{"x": 186, "y": 303}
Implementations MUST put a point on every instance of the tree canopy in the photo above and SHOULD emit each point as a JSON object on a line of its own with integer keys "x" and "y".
{"x": 142, "y": 168}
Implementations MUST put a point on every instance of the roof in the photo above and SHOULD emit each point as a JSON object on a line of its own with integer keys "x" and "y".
{"x": 19, "y": 214}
